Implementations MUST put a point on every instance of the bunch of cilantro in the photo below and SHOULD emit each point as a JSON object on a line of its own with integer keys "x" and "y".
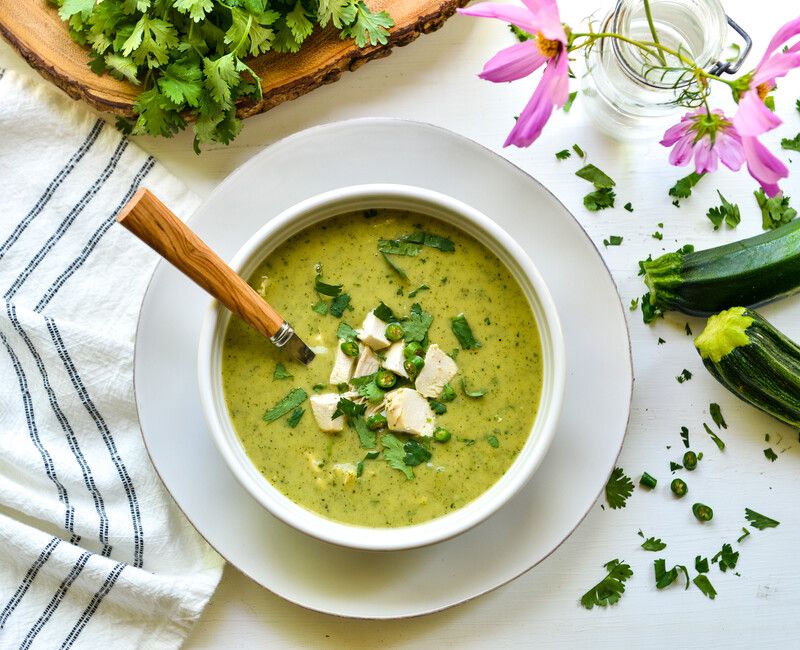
{"x": 188, "y": 56}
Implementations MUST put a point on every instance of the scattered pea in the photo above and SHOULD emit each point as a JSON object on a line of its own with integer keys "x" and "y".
{"x": 441, "y": 435}
{"x": 448, "y": 393}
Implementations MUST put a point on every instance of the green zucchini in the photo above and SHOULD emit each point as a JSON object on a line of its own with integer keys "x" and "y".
{"x": 749, "y": 272}
{"x": 754, "y": 361}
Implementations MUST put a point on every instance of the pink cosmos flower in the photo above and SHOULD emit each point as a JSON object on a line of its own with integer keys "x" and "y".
{"x": 753, "y": 118}
{"x": 709, "y": 136}
{"x": 548, "y": 48}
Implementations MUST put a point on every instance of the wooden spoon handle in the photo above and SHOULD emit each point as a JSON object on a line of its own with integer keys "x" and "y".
{"x": 155, "y": 224}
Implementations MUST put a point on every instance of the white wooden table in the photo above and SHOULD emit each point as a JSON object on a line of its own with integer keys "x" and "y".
{"x": 434, "y": 81}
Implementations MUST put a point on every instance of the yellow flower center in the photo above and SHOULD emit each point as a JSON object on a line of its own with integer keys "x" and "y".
{"x": 763, "y": 90}
{"x": 549, "y": 48}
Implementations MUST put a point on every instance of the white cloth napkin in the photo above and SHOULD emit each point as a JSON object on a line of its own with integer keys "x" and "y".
{"x": 93, "y": 551}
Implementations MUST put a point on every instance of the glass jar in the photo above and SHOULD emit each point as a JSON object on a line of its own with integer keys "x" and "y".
{"x": 627, "y": 92}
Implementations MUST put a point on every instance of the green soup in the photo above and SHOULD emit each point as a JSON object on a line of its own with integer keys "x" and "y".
{"x": 337, "y": 475}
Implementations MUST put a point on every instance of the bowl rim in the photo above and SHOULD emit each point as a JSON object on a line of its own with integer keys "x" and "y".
{"x": 326, "y": 205}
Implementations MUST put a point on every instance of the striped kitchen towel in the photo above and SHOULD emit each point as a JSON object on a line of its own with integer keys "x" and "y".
{"x": 93, "y": 551}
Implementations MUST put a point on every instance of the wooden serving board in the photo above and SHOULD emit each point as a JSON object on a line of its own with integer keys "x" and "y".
{"x": 38, "y": 34}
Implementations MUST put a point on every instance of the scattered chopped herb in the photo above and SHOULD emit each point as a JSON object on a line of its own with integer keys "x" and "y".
{"x": 685, "y": 436}
{"x": 371, "y": 391}
{"x": 660, "y": 341}
{"x": 331, "y": 290}
{"x": 397, "y": 247}
{"x": 745, "y": 533}
{"x": 613, "y": 240}
{"x": 775, "y": 211}
{"x": 634, "y": 304}
{"x": 759, "y": 521}
{"x": 704, "y": 584}
{"x": 493, "y": 441}
{"x": 676, "y": 203}
{"x": 383, "y": 312}
{"x": 366, "y": 436}
{"x": 684, "y": 376}
{"x": 687, "y": 329}
{"x": 701, "y": 564}
{"x": 370, "y": 213}
{"x": 641, "y": 266}
{"x": 345, "y": 332}
{"x": 683, "y": 187}
{"x": 520, "y": 33}
{"x": 578, "y": 151}
{"x": 574, "y": 94}
{"x": 394, "y": 454}
{"x": 463, "y": 332}
{"x": 717, "y": 440}
{"x": 563, "y": 154}
{"x": 653, "y": 544}
{"x": 349, "y": 408}
{"x": 467, "y": 441}
{"x": 792, "y": 144}
{"x": 771, "y": 455}
{"x": 727, "y": 212}
{"x": 618, "y": 488}
{"x": 416, "y": 453}
{"x": 628, "y": 206}
{"x": 599, "y": 199}
{"x": 595, "y": 176}
{"x": 294, "y": 419}
{"x": 610, "y": 589}
{"x": 415, "y": 327}
{"x": 726, "y": 558}
{"x": 293, "y": 399}
{"x": 427, "y": 239}
{"x": 422, "y": 287}
{"x": 648, "y": 481}
{"x": 649, "y": 311}
{"x": 321, "y": 307}
{"x": 339, "y": 304}
{"x": 674, "y": 467}
{"x": 281, "y": 372}
{"x": 657, "y": 235}
{"x": 665, "y": 578}
{"x": 393, "y": 265}
{"x": 471, "y": 393}
{"x": 318, "y": 388}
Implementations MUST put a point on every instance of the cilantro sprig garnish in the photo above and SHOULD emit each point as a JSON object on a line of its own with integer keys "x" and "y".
{"x": 618, "y": 488}
{"x": 653, "y": 544}
{"x": 775, "y": 211}
{"x": 665, "y": 578}
{"x": 727, "y": 212}
{"x": 293, "y": 399}
{"x": 683, "y": 187}
{"x": 187, "y": 57}
{"x": 463, "y": 332}
{"x": 759, "y": 521}
{"x": 610, "y": 589}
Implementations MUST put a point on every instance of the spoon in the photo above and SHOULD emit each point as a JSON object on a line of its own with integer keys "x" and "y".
{"x": 158, "y": 227}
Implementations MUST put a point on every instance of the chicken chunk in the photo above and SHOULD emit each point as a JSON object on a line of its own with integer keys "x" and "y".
{"x": 373, "y": 332}
{"x": 439, "y": 368}
{"x": 394, "y": 359}
{"x": 408, "y": 411}
{"x": 323, "y": 407}
{"x": 342, "y": 369}
{"x": 368, "y": 362}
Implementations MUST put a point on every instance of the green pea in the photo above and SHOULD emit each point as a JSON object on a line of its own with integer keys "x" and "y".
{"x": 350, "y": 348}
{"x": 448, "y": 393}
{"x": 376, "y": 421}
{"x": 385, "y": 378}
{"x": 441, "y": 434}
{"x": 412, "y": 366}
{"x": 690, "y": 460}
{"x": 413, "y": 349}
{"x": 394, "y": 331}
{"x": 678, "y": 487}
{"x": 702, "y": 512}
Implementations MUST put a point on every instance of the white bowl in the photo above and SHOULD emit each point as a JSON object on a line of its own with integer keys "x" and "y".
{"x": 467, "y": 219}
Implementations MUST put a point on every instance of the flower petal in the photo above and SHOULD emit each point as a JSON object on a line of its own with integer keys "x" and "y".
{"x": 519, "y": 16}
{"x": 753, "y": 117}
{"x": 763, "y": 165}
{"x": 675, "y": 132}
{"x": 681, "y": 153}
{"x": 705, "y": 158}
{"x": 548, "y": 93}
{"x": 774, "y": 67}
{"x": 729, "y": 148}
{"x": 513, "y": 62}
{"x": 792, "y": 28}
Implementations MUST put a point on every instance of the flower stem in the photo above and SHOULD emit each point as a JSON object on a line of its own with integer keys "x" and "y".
{"x": 653, "y": 31}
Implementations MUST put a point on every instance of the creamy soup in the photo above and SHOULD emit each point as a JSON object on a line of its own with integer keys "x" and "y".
{"x": 453, "y": 298}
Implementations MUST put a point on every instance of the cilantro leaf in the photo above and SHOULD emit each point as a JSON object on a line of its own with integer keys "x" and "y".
{"x": 653, "y": 544}
{"x": 297, "y": 20}
{"x": 345, "y": 332}
{"x": 701, "y": 564}
{"x": 149, "y": 42}
{"x": 628, "y": 206}
{"x": 398, "y": 247}
{"x": 339, "y": 12}
{"x": 332, "y": 290}
{"x": 368, "y": 27}
{"x": 649, "y": 311}
{"x": 595, "y": 176}
{"x": 726, "y": 557}
{"x": 791, "y": 144}
{"x": 613, "y": 240}
{"x": 727, "y": 212}
{"x": 384, "y": 312}
{"x": 770, "y": 454}
{"x": 570, "y": 100}
{"x": 665, "y": 578}
{"x": 414, "y": 292}
{"x": 181, "y": 83}
{"x": 683, "y": 187}
{"x": 281, "y": 372}
{"x": 716, "y": 415}
{"x": 293, "y": 399}
{"x": 433, "y": 241}
{"x": 704, "y": 584}
{"x": 610, "y": 589}
{"x": 471, "y": 393}
{"x": 619, "y": 488}
{"x": 197, "y": 9}
{"x": 493, "y": 441}
{"x": 599, "y": 199}
{"x": 775, "y": 211}
{"x": 294, "y": 419}
{"x": 221, "y": 78}
{"x": 349, "y": 408}
{"x": 415, "y": 327}
{"x": 563, "y": 154}
{"x": 394, "y": 266}
{"x": 371, "y": 391}
{"x": 685, "y": 436}
{"x": 684, "y": 376}
{"x": 759, "y": 521}
{"x": 717, "y": 440}
{"x": 394, "y": 454}
{"x": 366, "y": 437}
{"x": 71, "y": 7}
{"x": 416, "y": 453}
{"x": 463, "y": 333}
{"x": 339, "y": 304}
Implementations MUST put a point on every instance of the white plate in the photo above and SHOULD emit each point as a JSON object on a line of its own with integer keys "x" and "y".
{"x": 365, "y": 584}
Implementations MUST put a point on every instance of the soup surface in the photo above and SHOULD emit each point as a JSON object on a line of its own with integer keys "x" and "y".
{"x": 358, "y": 476}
